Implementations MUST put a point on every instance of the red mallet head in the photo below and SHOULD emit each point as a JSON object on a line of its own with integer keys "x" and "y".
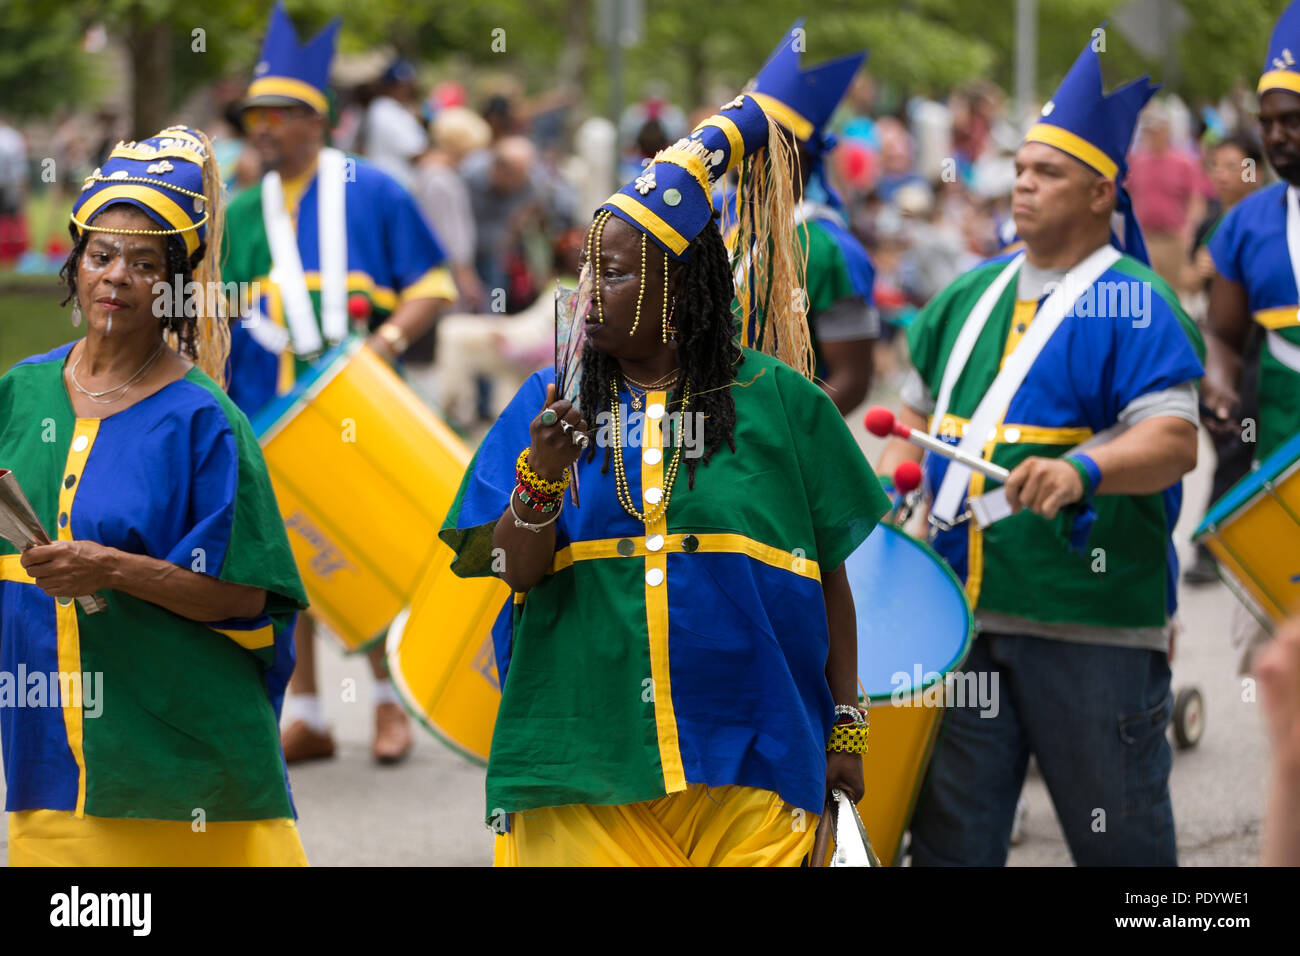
{"x": 359, "y": 307}
{"x": 880, "y": 422}
{"x": 907, "y": 476}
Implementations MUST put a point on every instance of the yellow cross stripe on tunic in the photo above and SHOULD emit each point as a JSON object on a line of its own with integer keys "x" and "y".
{"x": 252, "y": 640}
{"x": 11, "y": 569}
{"x": 656, "y": 602}
{"x": 69, "y": 635}
{"x": 708, "y": 544}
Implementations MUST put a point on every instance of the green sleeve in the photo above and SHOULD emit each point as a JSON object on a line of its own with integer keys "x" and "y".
{"x": 828, "y": 277}
{"x": 844, "y": 496}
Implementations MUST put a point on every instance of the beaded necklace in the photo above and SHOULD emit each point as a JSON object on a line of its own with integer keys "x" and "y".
{"x": 620, "y": 475}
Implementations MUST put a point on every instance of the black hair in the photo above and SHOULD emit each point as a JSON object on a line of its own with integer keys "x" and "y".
{"x": 1249, "y": 146}
{"x": 179, "y": 268}
{"x": 706, "y": 350}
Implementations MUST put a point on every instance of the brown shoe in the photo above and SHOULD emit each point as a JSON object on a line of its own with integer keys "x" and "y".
{"x": 301, "y": 742}
{"x": 392, "y": 733}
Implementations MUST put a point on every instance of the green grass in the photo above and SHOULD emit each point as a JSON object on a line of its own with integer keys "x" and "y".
{"x": 31, "y": 319}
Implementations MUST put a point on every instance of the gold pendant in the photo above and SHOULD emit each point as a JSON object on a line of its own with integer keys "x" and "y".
{"x": 636, "y": 403}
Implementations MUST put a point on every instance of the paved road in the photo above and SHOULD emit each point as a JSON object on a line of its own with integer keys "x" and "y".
{"x": 429, "y": 810}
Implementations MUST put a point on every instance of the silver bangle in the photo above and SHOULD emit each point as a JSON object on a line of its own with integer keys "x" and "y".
{"x": 534, "y": 528}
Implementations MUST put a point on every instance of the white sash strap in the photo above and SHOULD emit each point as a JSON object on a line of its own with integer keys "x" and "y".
{"x": 998, "y": 398}
{"x": 286, "y": 262}
{"x": 968, "y": 336}
{"x": 1284, "y": 351}
{"x": 286, "y": 268}
{"x": 1281, "y": 349}
{"x": 332, "y": 217}
{"x": 266, "y": 333}
{"x": 807, "y": 211}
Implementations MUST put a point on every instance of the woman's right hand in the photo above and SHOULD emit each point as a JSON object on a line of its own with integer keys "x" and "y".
{"x": 553, "y": 448}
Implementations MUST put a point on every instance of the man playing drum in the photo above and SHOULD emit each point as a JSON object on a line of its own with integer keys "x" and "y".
{"x": 328, "y": 239}
{"x": 1068, "y": 343}
{"x": 1255, "y": 252}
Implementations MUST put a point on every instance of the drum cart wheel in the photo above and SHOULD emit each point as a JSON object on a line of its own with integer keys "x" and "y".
{"x": 1189, "y": 717}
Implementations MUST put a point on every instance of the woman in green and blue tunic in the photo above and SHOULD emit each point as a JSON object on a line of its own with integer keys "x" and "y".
{"x": 159, "y": 745}
{"x": 682, "y": 643}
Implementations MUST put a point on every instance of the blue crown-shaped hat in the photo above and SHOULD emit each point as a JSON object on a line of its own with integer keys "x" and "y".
{"x": 161, "y": 175}
{"x": 290, "y": 71}
{"x": 1085, "y": 122}
{"x": 1281, "y": 71}
{"x": 672, "y": 199}
{"x": 803, "y": 100}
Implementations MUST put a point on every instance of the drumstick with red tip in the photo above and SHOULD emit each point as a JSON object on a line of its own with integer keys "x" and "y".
{"x": 881, "y": 422}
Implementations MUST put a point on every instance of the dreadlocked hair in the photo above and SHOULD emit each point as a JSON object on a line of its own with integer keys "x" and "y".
{"x": 706, "y": 350}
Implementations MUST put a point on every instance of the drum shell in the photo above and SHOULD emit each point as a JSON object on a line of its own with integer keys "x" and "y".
{"x": 914, "y": 629}
{"x": 441, "y": 658}
{"x": 1254, "y": 534}
{"x": 363, "y": 473}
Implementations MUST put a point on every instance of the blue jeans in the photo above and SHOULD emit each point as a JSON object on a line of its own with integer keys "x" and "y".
{"x": 1095, "y": 719}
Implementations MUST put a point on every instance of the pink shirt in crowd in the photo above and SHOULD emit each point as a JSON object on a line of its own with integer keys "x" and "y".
{"x": 1162, "y": 186}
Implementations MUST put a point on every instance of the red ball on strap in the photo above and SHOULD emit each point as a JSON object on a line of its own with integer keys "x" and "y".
{"x": 907, "y": 476}
{"x": 359, "y": 306}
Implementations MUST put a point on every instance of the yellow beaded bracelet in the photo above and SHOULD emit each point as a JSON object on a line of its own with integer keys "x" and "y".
{"x": 849, "y": 738}
{"x": 535, "y": 481}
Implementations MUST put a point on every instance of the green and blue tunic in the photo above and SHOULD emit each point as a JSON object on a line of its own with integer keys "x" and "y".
{"x": 185, "y": 714}
{"x": 691, "y": 649}
{"x": 1091, "y": 369}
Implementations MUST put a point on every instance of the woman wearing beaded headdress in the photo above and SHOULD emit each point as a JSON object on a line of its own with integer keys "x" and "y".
{"x": 680, "y": 654}
{"x": 156, "y": 627}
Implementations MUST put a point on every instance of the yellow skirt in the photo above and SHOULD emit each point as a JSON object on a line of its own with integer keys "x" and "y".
{"x": 699, "y": 826}
{"x": 57, "y": 838}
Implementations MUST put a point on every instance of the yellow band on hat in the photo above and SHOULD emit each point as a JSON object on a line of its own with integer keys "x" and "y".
{"x": 797, "y": 124}
{"x": 293, "y": 89}
{"x": 734, "y": 138}
{"x": 650, "y": 222}
{"x": 1074, "y": 145}
{"x": 1279, "y": 80}
{"x": 185, "y": 227}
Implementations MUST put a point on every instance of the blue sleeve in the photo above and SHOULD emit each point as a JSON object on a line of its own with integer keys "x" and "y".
{"x": 214, "y": 487}
{"x": 1152, "y": 358}
{"x": 490, "y": 480}
{"x": 412, "y": 248}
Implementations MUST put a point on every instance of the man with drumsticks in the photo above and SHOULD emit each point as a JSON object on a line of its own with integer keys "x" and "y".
{"x": 1255, "y": 255}
{"x": 346, "y": 246}
{"x": 1071, "y": 365}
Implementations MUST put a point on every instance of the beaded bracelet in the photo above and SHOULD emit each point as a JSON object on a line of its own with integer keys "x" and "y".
{"x": 542, "y": 505}
{"x": 848, "y": 738}
{"x": 529, "y": 497}
{"x": 536, "y": 482}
